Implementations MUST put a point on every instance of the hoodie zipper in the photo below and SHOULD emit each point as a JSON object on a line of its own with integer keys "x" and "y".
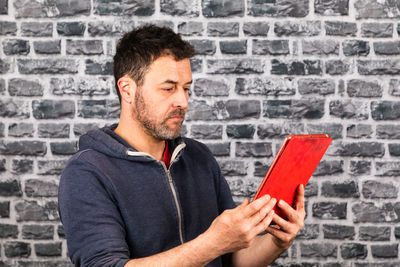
{"x": 170, "y": 181}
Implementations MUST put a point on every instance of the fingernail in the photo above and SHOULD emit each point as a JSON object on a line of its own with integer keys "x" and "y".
{"x": 274, "y": 201}
{"x": 281, "y": 202}
{"x": 267, "y": 197}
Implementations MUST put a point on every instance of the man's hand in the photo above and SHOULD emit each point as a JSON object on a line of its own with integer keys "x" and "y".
{"x": 285, "y": 231}
{"x": 237, "y": 228}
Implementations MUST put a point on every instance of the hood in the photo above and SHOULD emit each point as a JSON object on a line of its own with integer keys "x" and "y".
{"x": 107, "y": 142}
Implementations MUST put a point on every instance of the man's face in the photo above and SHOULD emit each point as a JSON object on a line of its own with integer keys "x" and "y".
{"x": 161, "y": 102}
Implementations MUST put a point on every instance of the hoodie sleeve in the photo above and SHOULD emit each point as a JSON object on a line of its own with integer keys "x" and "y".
{"x": 92, "y": 222}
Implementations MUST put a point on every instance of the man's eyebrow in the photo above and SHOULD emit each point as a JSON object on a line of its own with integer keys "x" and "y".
{"x": 175, "y": 82}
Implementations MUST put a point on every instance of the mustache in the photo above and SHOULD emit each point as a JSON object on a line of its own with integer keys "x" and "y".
{"x": 176, "y": 112}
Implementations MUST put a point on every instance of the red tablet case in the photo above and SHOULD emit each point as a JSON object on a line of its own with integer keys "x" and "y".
{"x": 293, "y": 165}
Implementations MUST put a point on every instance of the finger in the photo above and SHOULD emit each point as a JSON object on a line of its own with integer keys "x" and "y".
{"x": 291, "y": 213}
{"x": 259, "y": 216}
{"x": 244, "y": 203}
{"x": 256, "y": 205}
{"x": 278, "y": 233}
{"x": 264, "y": 224}
{"x": 300, "y": 198}
{"x": 283, "y": 224}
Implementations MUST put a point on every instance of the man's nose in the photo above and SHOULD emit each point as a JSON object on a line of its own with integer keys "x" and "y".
{"x": 181, "y": 98}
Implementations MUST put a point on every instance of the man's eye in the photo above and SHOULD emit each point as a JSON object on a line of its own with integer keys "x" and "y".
{"x": 187, "y": 89}
{"x": 168, "y": 89}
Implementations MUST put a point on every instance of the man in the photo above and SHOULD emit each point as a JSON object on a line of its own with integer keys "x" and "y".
{"x": 137, "y": 194}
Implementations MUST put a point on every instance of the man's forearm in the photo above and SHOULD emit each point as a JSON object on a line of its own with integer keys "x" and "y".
{"x": 197, "y": 252}
{"x": 262, "y": 252}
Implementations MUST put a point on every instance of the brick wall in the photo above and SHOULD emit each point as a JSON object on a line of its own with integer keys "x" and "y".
{"x": 263, "y": 69}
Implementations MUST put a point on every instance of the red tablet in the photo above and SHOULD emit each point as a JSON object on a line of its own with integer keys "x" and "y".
{"x": 293, "y": 165}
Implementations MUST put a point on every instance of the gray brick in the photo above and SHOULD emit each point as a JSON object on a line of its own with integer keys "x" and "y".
{"x": 388, "y": 168}
{"x": 223, "y": 29}
{"x": 6, "y": 66}
{"x": 346, "y": 189}
{"x": 47, "y": 47}
{"x": 105, "y": 109}
{"x": 320, "y": 47}
{"x": 211, "y": 87}
{"x": 387, "y": 48}
{"x": 5, "y": 209}
{"x": 318, "y": 250}
{"x": 35, "y": 211}
{"x": 295, "y": 67}
{"x": 25, "y": 148}
{"x": 235, "y": 66}
{"x": 265, "y": 86}
{"x": 84, "y": 47}
{"x": 360, "y": 167}
{"x": 241, "y": 109}
{"x": 53, "y": 109}
{"x": 196, "y": 64}
{"x": 21, "y": 129}
{"x": 49, "y": 263}
{"x": 340, "y": 28}
{"x": 372, "y": 212}
{"x": 349, "y": 109}
{"x": 2, "y": 86}
{"x": 353, "y": 251}
{"x": 329, "y": 210}
{"x": 109, "y": 28}
{"x": 385, "y": 110}
{"x": 357, "y": 149}
{"x": 58, "y": 8}
{"x": 298, "y": 28}
{"x": 308, "y": 232}
{"x": 376, "y": 30}
{"x": 2, "y": 127}
{"x": 233, "y": 47}
{"x": 48, "y": 249}
{"x": 81, "y": 86}
{"x": 7, "y": 27}
{"x": 260, "y": 169}
{"x": 16, "y": 249}
{"x": 3, "y": 165}
{"x": 38, "y": 232}
{"x": 374, "y": 233}
{"x": 359, "y": 131}
{"x": 388, "y": 131}
{"x": 53, "y": 130}
{"x": 3, "y": 7}
{"x": 240, "y": 130}
{"x": 10, "y": 108}
{"x": 8, "y": 231}
{"x": 10, "y": 188}
{"x": 82, "y": 128}
{"x": 161, "y": 23}
{"x": 362, "y": 88}
{"x": 329, "y": 8}
{"x": 378, "y": 264}
{"x": 378, "y": 67}
{"x": 64, "y": 148}
{"x": 125, "y": 8}
{"x": 39, "y": 188}
{"x": 48, "y": 66}
{"x": 220, "y": 149}
{"x": 253, "y": 149}
{"x": 316, "y": 86}
{"x": 74, "y": 28}
{"x": 23, "y": 87}
{"x": 259, "y": 28}
{"x": 376, "y": 9}
{"x": 332, "y": 167}
{"x": 397, "y": 232}
{"x": 101, "y": 67}
{"x": 205, "y": 131}
{"x": 340, "y": 232}
{"x": 355, "y": 48}
{"x": 15, "y": 47}
{"x": 20, "y": 166}
{"x": 51, "y": 167}
{"x": 190, "y": 28}
{"x": 37, "y": 29}
{"x": 385, "y": 251}
{"x": 243, "y": 188}
{"x": 289, "y": 8}
{"x": 268, "y": 130}
{"x": 221, "y": 8}
{"x": 233, "y": 168}
{"x": 333, "y": 129}
{"x": 203, "y": 47}
{"x": 294, "y": 109}
{"x": 60, "y": 231}
{"x": 270, "y": 47}
{"x": 394, "y": 87}
{"x": 201, "y": 110}
{"x": 394, "y": 150}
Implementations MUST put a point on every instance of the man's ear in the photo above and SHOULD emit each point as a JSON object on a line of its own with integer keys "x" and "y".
{"x": 127, "y": 88}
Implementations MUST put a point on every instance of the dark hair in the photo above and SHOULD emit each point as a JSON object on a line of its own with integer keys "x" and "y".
{"x": 137, "y": 49}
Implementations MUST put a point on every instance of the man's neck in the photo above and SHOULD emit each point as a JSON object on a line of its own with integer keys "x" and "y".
{"x": 136, "y": 136}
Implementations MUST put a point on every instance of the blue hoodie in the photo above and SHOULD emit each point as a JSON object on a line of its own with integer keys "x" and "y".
{"x": 117, "y": 203}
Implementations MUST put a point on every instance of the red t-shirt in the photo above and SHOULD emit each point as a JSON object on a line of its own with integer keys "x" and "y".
{"x": 167, "y": 155}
